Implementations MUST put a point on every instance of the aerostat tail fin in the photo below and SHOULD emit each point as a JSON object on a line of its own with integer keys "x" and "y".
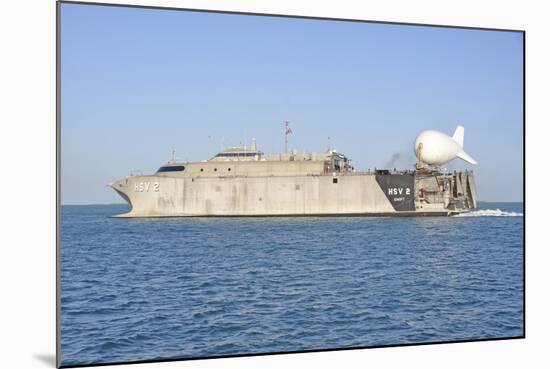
{"x": 464, "y": 156}
{"x": 458, "y": 136}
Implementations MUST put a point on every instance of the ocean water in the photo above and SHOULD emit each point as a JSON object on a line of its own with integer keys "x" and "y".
{"x": 147, "y": 289}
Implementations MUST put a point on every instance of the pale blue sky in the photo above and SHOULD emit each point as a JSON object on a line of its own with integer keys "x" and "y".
{"x": 137, "y": 82}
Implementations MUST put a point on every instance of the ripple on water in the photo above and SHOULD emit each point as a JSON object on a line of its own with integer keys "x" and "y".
{"x": 178, "y": 288}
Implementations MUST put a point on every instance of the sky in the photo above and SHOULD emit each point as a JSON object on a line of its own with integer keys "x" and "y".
{"x": 137, "y": 83}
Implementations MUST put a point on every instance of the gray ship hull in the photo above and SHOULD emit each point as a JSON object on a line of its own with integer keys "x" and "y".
{"x": 350, "y": 194}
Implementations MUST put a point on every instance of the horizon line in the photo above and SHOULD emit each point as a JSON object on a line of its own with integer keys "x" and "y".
{"x": 123, "y": 203}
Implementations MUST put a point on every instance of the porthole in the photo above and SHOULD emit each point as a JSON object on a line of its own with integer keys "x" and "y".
{"x": 215, "y": 169}
{"x": 229, "y": 169}
{"x": 202, "y": 170}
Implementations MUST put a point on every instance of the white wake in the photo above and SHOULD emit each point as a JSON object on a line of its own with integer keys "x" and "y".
{"x": 490, "y": 213}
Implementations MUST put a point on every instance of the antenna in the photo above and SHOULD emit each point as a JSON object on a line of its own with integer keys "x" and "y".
{"x": 328, "y": 142}
{"x": 287, "y": 132}
{"x": 173, "y": 160}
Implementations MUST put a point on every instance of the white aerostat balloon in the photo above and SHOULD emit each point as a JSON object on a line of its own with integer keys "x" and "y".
{"x": 437, "y": 148}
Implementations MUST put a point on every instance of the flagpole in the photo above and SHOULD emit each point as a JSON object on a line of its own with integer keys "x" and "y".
{"x": 286, "y": 136}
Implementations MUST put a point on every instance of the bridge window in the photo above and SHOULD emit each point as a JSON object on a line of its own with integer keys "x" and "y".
{"x": 235, "y": 154}
{"x": 171, "y": 168}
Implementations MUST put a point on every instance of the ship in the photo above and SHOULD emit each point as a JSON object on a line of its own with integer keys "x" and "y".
{"x": 241, "y": 182}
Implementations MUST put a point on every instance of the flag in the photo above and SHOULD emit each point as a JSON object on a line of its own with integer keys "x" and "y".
{"x": 287, "y": 129}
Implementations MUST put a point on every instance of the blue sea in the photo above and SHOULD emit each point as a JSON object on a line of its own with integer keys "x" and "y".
{"x": 166, "y": 288}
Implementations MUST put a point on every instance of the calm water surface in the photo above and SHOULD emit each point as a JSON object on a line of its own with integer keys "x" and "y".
{"x": 141, "y": 289}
